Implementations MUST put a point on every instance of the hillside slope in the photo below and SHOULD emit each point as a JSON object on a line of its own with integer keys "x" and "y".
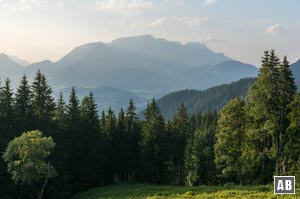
{"x": 198, "y": 101}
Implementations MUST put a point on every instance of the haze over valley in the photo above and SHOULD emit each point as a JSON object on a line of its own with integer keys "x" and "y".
{"x": 139, "y": 67}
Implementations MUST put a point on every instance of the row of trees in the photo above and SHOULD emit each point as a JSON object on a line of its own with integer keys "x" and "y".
{"x": 259, "y": 137}
{"x": 249, "y": 141}
{"x": 92, "y": 150}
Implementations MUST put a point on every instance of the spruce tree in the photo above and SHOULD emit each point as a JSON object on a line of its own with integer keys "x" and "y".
{"x": 287, "y": 89}
{"x": 102, "y": 122}
{"x": 133, "y": 136}
{"x": 153, "y": 154}
{"x": 23, "y": 106}
{"x": 42, "y": 103}
{"x": 73, "y": 142}
{"x": 60, "y": 112}
{"x": 263, "y": 114}
{"x": 6, "y": 109}
{"x": 291, "y": 148}
{"x": 7, "y": 133}
{"x": 92, "y": 146}
{"x": 112, "y": 147}
{"x": 122, "y": 146}
{"x": 199, "y": 157}
{"x": 182, "y": 133}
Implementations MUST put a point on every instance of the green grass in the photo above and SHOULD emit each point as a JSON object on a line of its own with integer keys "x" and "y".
{"x": 148, "y": 191}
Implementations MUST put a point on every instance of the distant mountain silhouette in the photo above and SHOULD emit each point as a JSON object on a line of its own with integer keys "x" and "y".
{"x": 208, "y": 76}
{"x": 19, "y": 61}
{"x": 141, "y": 65}
{"x": 9, "y": 68}
{"x": 191, "y": 54}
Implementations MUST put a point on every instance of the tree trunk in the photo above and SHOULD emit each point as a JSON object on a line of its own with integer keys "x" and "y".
{"x": 43, "y": 189}
{"x": 45, "y": 183}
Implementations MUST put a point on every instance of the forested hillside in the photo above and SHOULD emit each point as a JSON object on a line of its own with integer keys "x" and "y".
{"x": 201, "y": 101}
{"x": 55, "y": 149}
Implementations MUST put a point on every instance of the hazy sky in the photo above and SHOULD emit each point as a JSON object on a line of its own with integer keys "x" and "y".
{"x": 35, "y": 30}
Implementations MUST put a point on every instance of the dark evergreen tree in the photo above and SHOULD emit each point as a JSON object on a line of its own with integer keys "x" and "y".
{"x": 23, "y": 106}
{"x": 199, "y": 155}
{"x": 6, "y": 110}
{"x": 122, "y": 146}
{"x": 111, "y": 147}
{"x": 7, "y": 133}
{"x": 102, "y": 122}
{"x": 42, "y": 103}
{"x": 133, "y": 136}
{"x": 181, "y": 134}
{"x": 92, "y": 166}
{"x": 73, "y": 142}
{"x": 153, "y": 151}
{"x": 60, "y": 112}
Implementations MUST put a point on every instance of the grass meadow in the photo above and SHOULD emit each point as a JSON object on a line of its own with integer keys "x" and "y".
{"x": 148, "y": 191}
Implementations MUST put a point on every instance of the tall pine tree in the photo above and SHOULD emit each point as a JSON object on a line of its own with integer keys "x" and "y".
{"x": 92, "y": 145}
{"x": 42, "y": 103}
{"x": 153, "y": 151}
{"x": 182, "y": 133}
{"x": 287, "y": 89}
{"x": 263, "y": 114}
{"x": 133, "y": 136}
{"x": 23, "y": 106}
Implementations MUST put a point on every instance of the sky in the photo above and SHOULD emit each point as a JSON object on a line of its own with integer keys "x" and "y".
{"x": 36, "y": 30}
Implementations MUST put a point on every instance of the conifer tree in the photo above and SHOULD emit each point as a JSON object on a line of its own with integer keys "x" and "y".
{"x": 287, "y": 89}
{"x": 122, "y": 146}
{"x": 111, "y": 146}
{"x": 133, "y": 136}
{"x": 263, "y": 114}
{"x": 182, "y": 132}
{"x": 73, "y": 141}
{"x": 60, "y": 112}
{"x": 23, "y": 106}
{"x": 199, "y": 156}
{"x": 153, "y": 154}
{"x": 6, "y": 109}
{"x": 42, "y": 102}
{"x": 291, "y": 151}
{"x": 102, "y": 122}
{"x": 91, "y": 144}
{"x": 73, "y": 112}
{"x": 7, "y": 132}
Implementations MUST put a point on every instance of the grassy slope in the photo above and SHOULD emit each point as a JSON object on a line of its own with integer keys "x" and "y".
{"x": 147, "y": 191}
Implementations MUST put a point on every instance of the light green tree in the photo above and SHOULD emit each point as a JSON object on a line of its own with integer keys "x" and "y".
{"x": 229, "y": 140}
{"x": 292, "y": 139}
{"x": 27, "y": 158}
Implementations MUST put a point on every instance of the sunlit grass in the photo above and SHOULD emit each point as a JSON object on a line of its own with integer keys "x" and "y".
{"x": 147, "y": 191}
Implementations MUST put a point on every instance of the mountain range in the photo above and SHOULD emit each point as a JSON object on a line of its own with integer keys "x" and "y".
{"x": 136, "y": 63}
{"x": 142, "y": 66}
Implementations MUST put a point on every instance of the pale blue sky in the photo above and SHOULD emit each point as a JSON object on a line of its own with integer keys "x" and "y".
{"x": 242, "y": 29}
